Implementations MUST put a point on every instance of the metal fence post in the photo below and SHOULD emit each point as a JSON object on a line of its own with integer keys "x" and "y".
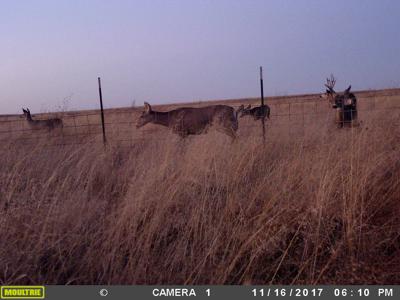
{"x": 302, "y": 113}
{"x": 102, "y": 113}
{"x": 262, "y": 103}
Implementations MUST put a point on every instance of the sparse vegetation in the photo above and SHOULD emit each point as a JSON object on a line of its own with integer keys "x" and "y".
{"x": 321, "y": 209}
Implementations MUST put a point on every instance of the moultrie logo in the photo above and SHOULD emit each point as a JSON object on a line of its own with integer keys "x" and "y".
{"x": 22, "y": 292}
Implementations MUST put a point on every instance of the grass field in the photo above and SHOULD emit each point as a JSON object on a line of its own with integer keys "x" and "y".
{"x": 314, "y": 205}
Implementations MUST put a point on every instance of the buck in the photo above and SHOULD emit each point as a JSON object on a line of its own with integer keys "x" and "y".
{"x": 345, "y": 103}
{"x": 258, "y": 112}
{"x": 190, "y": 121}
{"x": 48, "y": 124}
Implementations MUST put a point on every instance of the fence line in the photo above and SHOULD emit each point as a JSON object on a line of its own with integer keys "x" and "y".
{"x": 87, "y": 128}
{"x": 289, "y": 105}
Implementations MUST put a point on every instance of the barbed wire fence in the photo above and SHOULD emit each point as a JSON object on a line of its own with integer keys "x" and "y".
{"x": 292, "y": 118}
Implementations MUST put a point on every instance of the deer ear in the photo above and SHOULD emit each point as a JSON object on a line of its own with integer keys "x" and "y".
{"x": 147, "y": 107}
{"x": 24, "y": 110}
{"x": 248, "y": 106}
{"x": 348, "y": 89}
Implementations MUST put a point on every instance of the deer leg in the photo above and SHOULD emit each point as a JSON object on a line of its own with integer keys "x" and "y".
{"x": 182, "y": 134}
{"x": 233, "y": 136}
{"x": 229, "y": 132}
{"x": 339, "y": 118}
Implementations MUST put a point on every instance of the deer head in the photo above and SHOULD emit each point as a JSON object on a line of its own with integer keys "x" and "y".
{"x": 242, "y": 111}
{"x": 27, "y": 113}
{"x": 146, "y": 116}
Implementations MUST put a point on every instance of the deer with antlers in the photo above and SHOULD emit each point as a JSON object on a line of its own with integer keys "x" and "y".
{"x": 190, "y": 121}
{"x": 48, "y": 124}
{"x": 258, "y": 112}
{"x": 345, "y": 103}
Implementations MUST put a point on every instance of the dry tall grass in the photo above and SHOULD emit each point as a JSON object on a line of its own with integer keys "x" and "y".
{"x": 323, "y": 209}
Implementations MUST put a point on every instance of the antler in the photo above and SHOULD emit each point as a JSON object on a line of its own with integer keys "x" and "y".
{"x": 330, "y": 82}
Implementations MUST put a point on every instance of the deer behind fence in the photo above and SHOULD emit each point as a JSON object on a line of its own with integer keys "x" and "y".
{"x": 48, "y": 124}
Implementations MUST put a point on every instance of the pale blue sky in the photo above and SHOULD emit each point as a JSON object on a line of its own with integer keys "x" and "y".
{"x": 190, "y": 50}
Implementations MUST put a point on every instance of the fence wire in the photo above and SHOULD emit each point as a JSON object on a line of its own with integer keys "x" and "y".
{"x": 85, "y": 128}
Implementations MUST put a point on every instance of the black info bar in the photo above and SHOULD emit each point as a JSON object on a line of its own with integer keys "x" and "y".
{"x": 200, "y": 292}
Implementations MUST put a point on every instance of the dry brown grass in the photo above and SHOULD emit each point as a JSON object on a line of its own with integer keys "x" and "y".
{"x": 321, "y": 209}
